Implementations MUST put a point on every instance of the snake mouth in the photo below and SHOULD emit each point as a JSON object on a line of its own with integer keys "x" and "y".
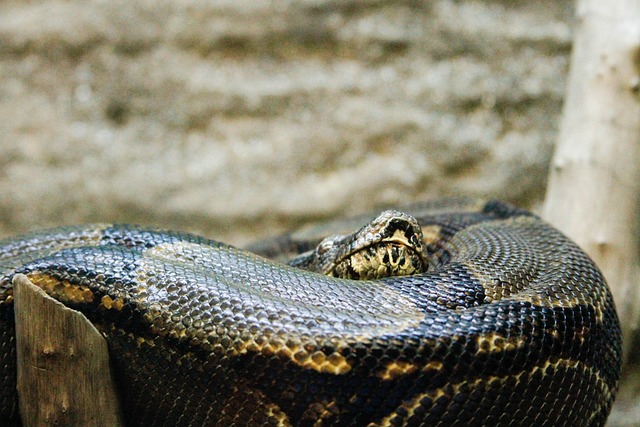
{"x": 384, "y": 259}
{"x": 390, "y": 245}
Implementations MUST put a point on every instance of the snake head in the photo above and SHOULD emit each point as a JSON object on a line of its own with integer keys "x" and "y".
{"x": 389, "y": 245}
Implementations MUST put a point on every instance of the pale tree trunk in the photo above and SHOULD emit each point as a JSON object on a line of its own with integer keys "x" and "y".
{"x": 594, "y": 184}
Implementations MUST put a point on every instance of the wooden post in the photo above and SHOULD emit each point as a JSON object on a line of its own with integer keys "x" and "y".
{"x": 63, "y": 364}
{"x": 594, "y": 185}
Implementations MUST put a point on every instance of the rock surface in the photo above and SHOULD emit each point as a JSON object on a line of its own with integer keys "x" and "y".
{"x": 241, "y": 119}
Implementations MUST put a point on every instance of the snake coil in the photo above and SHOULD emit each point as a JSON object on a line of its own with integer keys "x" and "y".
{"x": 511, "y": 324}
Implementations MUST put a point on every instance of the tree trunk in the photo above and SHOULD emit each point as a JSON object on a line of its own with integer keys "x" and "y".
{"x": 594, "y": 185}
{"x": 63, "y": 364}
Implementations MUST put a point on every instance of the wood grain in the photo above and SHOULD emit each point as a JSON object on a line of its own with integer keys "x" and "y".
{"x": 63, "y": 364}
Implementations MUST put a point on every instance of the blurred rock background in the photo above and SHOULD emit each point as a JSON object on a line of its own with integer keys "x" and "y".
{"x": 241, "y": 119}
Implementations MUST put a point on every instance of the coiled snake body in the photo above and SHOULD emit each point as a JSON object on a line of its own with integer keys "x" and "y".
{"x": 510, "y": 324}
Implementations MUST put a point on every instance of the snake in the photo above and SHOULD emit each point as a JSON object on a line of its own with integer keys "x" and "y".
{"x": 455, "y": 312}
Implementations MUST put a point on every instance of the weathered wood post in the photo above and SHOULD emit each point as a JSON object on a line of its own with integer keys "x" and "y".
{"x": 63, "y": 364}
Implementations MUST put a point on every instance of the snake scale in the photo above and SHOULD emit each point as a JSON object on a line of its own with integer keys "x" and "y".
{"x": 509, "y": 323}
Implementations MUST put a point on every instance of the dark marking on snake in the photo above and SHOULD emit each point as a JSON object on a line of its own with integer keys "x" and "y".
{"x": 478, "y": 314}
